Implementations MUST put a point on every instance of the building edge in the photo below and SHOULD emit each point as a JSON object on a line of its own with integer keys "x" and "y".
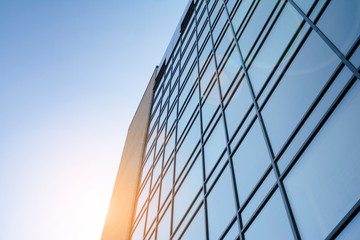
{"x": 123, "y": 200}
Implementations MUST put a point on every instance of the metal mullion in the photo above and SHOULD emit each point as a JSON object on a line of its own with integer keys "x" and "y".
{"x": 266, "y": 138}
{"x": 236, "y": 198}
{"x": 344, "y": 221}
{"x": 172, "y": 194}
{"x": 325, "y": 39}
{"x": 201, "y": 117}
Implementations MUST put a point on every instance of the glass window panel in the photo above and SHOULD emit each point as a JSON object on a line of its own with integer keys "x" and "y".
{"x": 205, "y": 53}
{"x": 273, "y": 47}
{"x": 215, "y": 11}
{"x": 163, "y": 232}
{"x": 223, "y": 46}
{"x": 230, "y": 5}
{"x": 250, "y": 161}
{"x": 139, "y": 231}
{"x": 237, "y": 107}
{"x": 324, "y": 184}
{"x": 231, "y": 68}
{"x": 169, "y": 146}
{"x": 187, "y": 87}
{"x": 258, "y": 197}
{"x": 271, "y": 222}
{"x": 355, "y": 58}
{"x": 256, "y": 23}
{"x": 241, "y": 12}
{"x": 203, "y": 35}
{"x": 187, "y": 191}
{"x": 143, "y": 196}
{"x": 212, "y": 101}
{"x": 167, "y": 183}
{"x": 160, "y": 140}
{"x": 314, "y": 118}
{"x": 341, "y": 23}
{"x": 188, "y": 112}
{"x": 214, "y": 146}
{"x": 187, "y": 146}
{"x": 233, "y": 232}
{"x": 172, "y": 118}
{"x": 153, "y": 208}
{"x": 305, "y": 77}
{"x": 221, "y": 205}
{"x": 352, "y": 231}
{"x": 207, "y": 75}
{"x": 147, "y": 165}
{"x": 196, "y": 230}
{"x": 156, "y": 171}
{"x": 219, "y": 25}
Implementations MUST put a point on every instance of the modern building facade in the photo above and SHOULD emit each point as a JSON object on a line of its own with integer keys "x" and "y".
{"x": 250, "y": 127}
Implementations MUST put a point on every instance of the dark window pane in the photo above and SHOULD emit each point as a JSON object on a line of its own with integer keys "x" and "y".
{"x": 307, "y": 74}
{"x": 250, "y": 161}
{"x": 221, "y": 205}
{"x": 324, "y": 184}
{"x": 271, "y": 223}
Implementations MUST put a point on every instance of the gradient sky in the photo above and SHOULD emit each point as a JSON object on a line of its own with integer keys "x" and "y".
{"x": 72, "y": 73}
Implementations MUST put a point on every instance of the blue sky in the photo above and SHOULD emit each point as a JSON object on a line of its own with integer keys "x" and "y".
{"x": 72, "y": 73}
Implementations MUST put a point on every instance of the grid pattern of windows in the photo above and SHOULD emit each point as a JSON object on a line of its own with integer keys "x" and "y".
{"x": 254, "y": 130}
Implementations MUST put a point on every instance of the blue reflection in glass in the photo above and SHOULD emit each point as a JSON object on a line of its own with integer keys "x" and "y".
{"x": 307, "y": 74}
{"x": 324, "y": 184}
{"x": 352, "y": 231}
{"x": 196, "y": 230}
{"x": 250, "y": 161}
{"x": 271, "y": 223}
{"x": 221, "y": 205}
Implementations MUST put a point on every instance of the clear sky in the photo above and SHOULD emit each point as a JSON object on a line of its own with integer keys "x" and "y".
{"x": 72, "y": 73}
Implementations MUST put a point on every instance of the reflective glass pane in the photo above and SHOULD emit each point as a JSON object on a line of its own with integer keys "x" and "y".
{"x": 196, "y": 230}
{"x": 324, "y": 184}
{"x": 221, "y": 205}
{"x": 167, "y": 183}
{"x": 352, "y": 231}
{"x": 307, "y": 74}
{"x": 212, "y": 101}
{"x": 250, "y": 161}
{"x": 187, "y": 191}
{"x": 271, "y": 223}
{"x": 231, "y": 68}
{"x": 237, "y": 107}
{"x": 341, "y": 23}
{"x": 153, "y": 208}
{"x": 273, "y": 47}
{"x": 163, "y": 232}
{"x": 139, "y": 231}
{"x": 214, "y": 146}
{"x": 187, "y": 146}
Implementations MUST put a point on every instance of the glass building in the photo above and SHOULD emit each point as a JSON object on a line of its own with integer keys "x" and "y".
{"x": 254, "y": 127}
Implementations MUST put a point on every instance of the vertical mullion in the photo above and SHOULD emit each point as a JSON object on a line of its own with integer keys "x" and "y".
{"x": 266, "y": 137}
{"x": 201, "y": 125}
{"x": 236, "y": 198}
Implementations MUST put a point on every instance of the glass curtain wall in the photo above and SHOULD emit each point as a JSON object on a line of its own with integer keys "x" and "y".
{"x": 254, "y": 130}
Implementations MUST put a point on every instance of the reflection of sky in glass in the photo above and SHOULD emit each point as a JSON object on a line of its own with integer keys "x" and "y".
{"x": 67, "y": 68}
